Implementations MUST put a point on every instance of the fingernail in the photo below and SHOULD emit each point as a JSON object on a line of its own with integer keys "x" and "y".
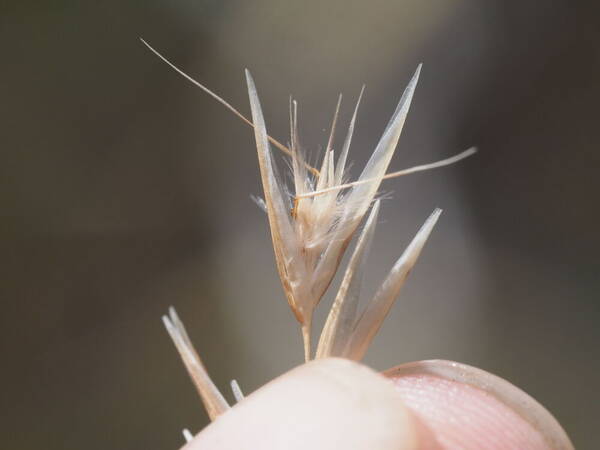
{"x": 468, "y": 406}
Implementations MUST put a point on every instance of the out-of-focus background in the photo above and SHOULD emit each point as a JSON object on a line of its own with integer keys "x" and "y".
{"x": 125, "y": 190}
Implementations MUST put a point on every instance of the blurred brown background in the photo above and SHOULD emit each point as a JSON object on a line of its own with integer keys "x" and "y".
{"x": 126, "y": 190}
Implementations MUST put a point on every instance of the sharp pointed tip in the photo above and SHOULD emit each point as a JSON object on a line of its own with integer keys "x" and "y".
{"x": 143, "y": 41}
{"x": 427, "y": 227}
{"x": 435, "y": 215}
{"x": 174, "y": 318}
{"x": 249, "y": 80}
{"x": 146, "y": 43}
{"x": 360, "y": 94}
{"x": 167, "y": 323}
{"x": 415, "y": 77}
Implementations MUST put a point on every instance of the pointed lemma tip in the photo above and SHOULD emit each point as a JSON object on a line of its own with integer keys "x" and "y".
{"x": 427, "y": 227}
{"x": 250, "y": 82}
{"x": 415, "y": 77}
{"x": 432, "y": 220}
{"x": 167, "y": 322}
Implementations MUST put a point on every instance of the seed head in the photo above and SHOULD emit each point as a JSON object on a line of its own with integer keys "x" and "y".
{"x": 310, "y": 241}
{"x": 312, "y": 223}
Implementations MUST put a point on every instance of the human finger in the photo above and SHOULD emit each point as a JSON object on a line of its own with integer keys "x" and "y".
{"x": 467, "y": 408}
{"x": 323, "y": 405}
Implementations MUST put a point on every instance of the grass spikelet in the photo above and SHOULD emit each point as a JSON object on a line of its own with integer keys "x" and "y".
{"x": 214, "y": 402}
{"x": 312, "y": 224}
{"x": 310, "y": 242}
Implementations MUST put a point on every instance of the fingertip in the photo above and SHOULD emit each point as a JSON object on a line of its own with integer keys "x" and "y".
{"x": 325, "y": 404}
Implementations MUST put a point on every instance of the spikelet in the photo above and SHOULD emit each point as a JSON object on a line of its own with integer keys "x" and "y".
{"x": 311, "y": 229}
{"x": 310, "y": 242}
{"x": 214, "y": 402}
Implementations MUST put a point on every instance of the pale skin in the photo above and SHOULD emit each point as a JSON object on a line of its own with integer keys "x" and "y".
{"x": 339, "y": 404}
